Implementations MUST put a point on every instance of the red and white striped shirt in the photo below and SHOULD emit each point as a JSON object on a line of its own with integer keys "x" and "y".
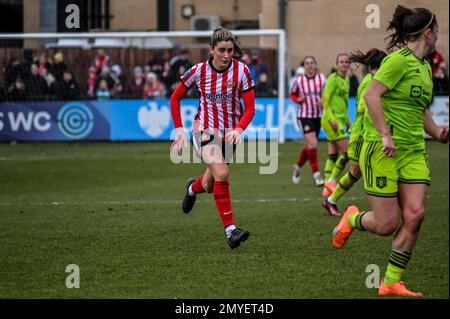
{"x": 220, "y": 94}
{"x": 311, "y": 89}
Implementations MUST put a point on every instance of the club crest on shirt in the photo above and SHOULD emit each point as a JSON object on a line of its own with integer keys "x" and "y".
{"x": 229, "y": 83}
{"x": 416, "y": 91}
{"x": 381, "y": 181}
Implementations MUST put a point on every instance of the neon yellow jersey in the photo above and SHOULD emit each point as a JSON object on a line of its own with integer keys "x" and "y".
{"x": 335, "y": 98}
{"x": 357, "y": 125}
{"x": 410, "y": 92}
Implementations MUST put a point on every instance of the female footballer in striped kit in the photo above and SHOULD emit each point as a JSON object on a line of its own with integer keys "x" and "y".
{"x": 307, "y": 92}
{"x": 222, "y": 81}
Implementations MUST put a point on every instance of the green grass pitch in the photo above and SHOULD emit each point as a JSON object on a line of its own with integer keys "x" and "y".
{"x": 113, "y": 209}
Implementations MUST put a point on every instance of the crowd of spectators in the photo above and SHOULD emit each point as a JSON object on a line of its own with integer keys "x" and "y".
{"x": 38, "y": 78}
{"x": 440, "y": 74}
{"x": 43, "y": 77}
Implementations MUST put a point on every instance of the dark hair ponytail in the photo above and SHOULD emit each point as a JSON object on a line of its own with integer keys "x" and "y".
{"x": 408, "y": 24}
{"x": 372, "y": 59}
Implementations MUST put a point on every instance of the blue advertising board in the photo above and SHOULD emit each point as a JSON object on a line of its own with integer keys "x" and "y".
{"x": 151, "y": 120}
{"x": 128, "y": 120}
{"x": 53, "y": 121}
{"x": 140, "y": 120}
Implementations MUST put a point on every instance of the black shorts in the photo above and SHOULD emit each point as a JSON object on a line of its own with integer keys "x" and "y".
{"x": 309, "y": 125}
{"x": 203, "y": 138}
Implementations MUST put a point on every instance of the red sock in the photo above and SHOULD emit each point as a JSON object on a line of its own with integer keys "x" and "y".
{"x": 313, "y": 159}
{"x": 223, "y": 202}
{"x": 197, "y": 185}
{"x": 303, "y": 157}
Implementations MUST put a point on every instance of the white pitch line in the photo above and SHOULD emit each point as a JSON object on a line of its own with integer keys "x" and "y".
{"x": 33, "y": 158}
{"x": 147, "y": 202}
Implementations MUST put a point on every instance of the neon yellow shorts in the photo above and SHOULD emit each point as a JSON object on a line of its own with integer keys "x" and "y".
{"x": 354, "y": 147}
{"x": 382, "y": 174}
{"x": 334, "y": 135}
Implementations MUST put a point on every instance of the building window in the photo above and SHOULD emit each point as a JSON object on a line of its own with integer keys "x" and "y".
{"x": 94, "y": 15}
{"x": 99, "y": 16}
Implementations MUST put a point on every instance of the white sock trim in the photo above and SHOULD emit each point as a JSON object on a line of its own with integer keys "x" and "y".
{"x": 191, "y": 192}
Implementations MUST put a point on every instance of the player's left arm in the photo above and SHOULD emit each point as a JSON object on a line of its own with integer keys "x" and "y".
{"x": 375, "y": 108}
{"x": 249, "y": 112}
{"x": 296, "y": 94}
{"x": 436, "y": 132}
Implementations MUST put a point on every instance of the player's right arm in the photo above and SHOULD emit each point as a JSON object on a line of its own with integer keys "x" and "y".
{"x": 387, "y": 77}
{"x": 374, "y": 107}
{"x": 296, "y": 95}
{"x": 175, "y": 108}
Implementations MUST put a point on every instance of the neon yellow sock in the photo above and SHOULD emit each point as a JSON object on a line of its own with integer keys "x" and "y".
{"x": 398, "y": 260}
{"x": 355, "y": 221}
{"x": 329, "y": 164}
{"x": 339, "y": 166}
{"x": 344, "y": 185}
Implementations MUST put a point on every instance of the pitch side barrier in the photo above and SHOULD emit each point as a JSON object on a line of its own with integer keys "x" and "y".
{"x": 125, "y": 120}
{"x": 127, "y": 39}
{"x": 144, "y": 120}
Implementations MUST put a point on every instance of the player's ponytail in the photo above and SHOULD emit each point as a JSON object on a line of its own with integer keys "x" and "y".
{"x": 222, "y": 34}
{"x": 372, "y": 59}
{"x": 408, "y": 24}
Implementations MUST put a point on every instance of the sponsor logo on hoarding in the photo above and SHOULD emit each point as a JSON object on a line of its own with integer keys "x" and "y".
{"x": 153, "y": 120}
{"x": 26, "y": 121}
{"x": 75, "y": 120}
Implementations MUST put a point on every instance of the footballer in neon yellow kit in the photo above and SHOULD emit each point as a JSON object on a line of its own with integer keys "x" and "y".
{"x": 335, "y": 106}
{"x": 356, "y": 130}
{"x": 404, "y": 105}
{"x": 335, "y": 121}
{"x": 372, "y": 61}
{"x": 393, "y": 159}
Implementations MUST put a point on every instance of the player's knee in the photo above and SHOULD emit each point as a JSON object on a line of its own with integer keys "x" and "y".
{"x": 413, "y": 218}
{"x": 311, "y": 141}
{"x": 221, "y": 175}
{"x": 388, "y": 227}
